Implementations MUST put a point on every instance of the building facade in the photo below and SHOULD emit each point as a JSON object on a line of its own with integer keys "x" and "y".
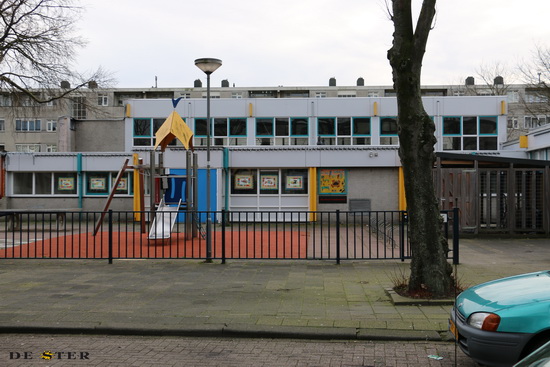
{"x": 272, "y": 149}
{"x": 266, "y": 154}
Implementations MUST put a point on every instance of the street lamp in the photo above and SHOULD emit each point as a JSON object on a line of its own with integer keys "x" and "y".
{"x": 208, "y": 66}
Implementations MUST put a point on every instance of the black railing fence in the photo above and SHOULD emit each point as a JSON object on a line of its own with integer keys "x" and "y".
{"x": 304, "y": 235}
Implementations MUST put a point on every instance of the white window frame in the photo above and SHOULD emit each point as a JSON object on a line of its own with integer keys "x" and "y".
{"x": 102, "y": 100}
{"x": 26, "y": 127}
{"x": 27, "y": 148}
{"x": 513, "y": 96}
{"x": 51, "y": 125}
{"x": 347, "y": 94}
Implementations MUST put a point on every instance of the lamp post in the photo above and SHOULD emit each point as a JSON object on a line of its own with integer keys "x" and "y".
{"x": 208, "y": 66}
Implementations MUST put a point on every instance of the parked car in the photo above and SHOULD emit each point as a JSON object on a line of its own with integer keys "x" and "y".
{"x": 539, "y": 358}
{"x": 499, "y": 322}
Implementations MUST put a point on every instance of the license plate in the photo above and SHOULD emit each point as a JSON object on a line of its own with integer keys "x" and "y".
{"x": 452, "y": 329}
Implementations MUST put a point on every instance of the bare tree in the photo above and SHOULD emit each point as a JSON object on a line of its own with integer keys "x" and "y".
{"x": 536, "y": 75}
{"x": 536, "y": 72}
{"x": 37, "y": 48}
{"x": 496, "y": 78}
{"x": 429, "y": 267}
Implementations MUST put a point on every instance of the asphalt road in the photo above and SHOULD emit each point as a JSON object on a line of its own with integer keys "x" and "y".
{"x": 85, "y": 350}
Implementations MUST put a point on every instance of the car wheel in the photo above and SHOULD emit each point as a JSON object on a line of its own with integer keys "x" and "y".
{"x": 535, "y": 344}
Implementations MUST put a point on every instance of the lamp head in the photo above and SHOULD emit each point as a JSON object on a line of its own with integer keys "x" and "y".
{"x": 208, "y": 65}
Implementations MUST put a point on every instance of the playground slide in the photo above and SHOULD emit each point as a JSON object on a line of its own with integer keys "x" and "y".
{"x": 164, "y": 221}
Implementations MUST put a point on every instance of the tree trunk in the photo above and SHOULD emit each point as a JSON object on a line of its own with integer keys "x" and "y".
{"x": 429, "y": 267}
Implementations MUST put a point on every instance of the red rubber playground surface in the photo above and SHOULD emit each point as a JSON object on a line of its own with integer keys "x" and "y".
{"x": 136, "y": 245}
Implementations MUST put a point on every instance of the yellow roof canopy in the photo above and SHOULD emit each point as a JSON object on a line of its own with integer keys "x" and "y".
{"x": 174, "y": 127}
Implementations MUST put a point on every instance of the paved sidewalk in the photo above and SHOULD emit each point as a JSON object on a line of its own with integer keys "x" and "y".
{"x": 296, "y": 299}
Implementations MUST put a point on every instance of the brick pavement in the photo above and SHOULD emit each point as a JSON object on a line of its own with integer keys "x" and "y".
{"x": 125, "y": 351}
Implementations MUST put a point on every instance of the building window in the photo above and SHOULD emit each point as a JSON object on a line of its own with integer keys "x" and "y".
{"x": 264, "y": 131}
{"x": 144, "y": 131}
{"x": 102, "y": 100}
{"x": 44, "y": 183}
{"x": 470, "y": 133}
{"x": 226, "y": 131}
{"x": 485, "y": 92}
{"x": 79, "y": 107}
{"x": 343, "y": 131}
{"x": 372, "y": 94}
{"x": 534, "y": 97}
{"x": 27, "y": 148}
{"x": 236, "y": 95}
{"x": 388, "y": 131}
{"x": 5, "y": 101}
{"x": 513, "y": 96}
{"x": 299, "y": 126}
{"x": 200, "y": 128}
{"x": 27, "y": 125}
{"x": 294, "y": 181}
{"x": 361, "y": 131}
{"x": 213, "y": 95}
{"x": 51, "y": 125}
{"x": 347, "y": 94}
{"x": 531, "y": 122}
{"x": 326, "y": 131}
{"x": 244, "y": 182}
{"x": 2, "y": 125}
{"x": 65, "y": 183}
{"x": 513, "y": 122}
{"x": 299, "y": 131}
{"x": 23, "y": 183}
{"x": 100, "y": 183}
{"x": 97, "y": 183}
{"x": 320, "y": 94}
{"x": 269, "y": 182}
{"x": 51, "y": 148}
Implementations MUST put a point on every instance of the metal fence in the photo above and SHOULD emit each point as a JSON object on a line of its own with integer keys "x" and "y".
{"x": 286, "y": 235}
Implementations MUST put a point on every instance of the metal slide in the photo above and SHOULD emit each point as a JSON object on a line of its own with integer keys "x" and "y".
{"x": 163, "y": 223}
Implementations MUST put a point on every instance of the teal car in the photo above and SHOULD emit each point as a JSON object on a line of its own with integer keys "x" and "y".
{"x": 499, "y": 322}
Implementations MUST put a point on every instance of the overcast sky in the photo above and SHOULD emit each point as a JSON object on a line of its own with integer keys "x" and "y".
{"x": 298, "y": 42}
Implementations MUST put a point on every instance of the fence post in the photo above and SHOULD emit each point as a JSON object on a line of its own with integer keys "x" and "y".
{"x": 110, "y": 236}
{"x": 402, "y": 234}
{"x": 456, "y": 226}
{"x": 223, "y": 236}
{"x": 337, "y": 236}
